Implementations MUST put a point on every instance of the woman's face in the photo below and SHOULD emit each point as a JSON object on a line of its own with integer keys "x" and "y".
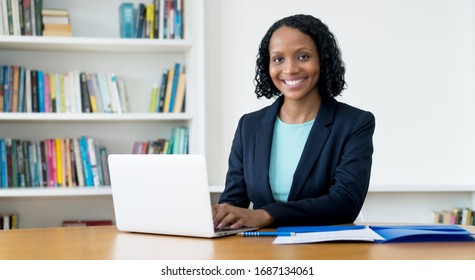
{"x": 294, "y": 63}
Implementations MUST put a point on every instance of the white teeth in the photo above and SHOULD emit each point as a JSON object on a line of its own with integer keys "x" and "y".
{"x": 294, "y": 82}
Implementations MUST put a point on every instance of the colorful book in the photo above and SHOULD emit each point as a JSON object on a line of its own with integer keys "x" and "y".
{"x": 127, "y": 20}
{"x": 86, "y": 164}
{"x": 114, "y": 91}
{"x": 180, "y": 93}
{"x": 175, "y": 86}
{"x": 123, "y": 96}
{"x": 78, "y": 162}
{"x": 85, "y": 101}
{"x": 59, "y": 161}
{"x": 163, "y": 88}
{"x": 153, "y": 101}
{"x": 168, "y": 91}
{"x": 21, "y": 90}
{"x": 41, "y": 92}
{"x": 15, "y": 87}
{"x": 91, "y": 151}
{"x": 3, "y": 164}
{"x": 140, "y": 21}
{"x": 2, "y": 86}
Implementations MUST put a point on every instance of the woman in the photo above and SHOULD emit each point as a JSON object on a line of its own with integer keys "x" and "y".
{"x": 305, "y": 159}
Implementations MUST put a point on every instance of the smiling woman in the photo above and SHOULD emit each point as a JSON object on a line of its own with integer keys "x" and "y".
{"x": 306, "y": 159}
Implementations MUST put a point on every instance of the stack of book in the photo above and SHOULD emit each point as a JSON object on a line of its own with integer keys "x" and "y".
{"x": 177, "y": 144}
{"x": 168, "y": 96}
{"x": 155, "y": 19}
{"x": 56, "y": 22}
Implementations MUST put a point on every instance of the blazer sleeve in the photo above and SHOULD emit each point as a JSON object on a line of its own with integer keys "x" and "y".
{"x": 235, "y": 192}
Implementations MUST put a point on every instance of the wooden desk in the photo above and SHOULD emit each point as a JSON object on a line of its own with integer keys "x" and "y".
{"x": 98, "y": 243}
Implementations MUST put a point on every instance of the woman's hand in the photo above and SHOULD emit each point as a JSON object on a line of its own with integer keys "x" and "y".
{"x": 226, "y": 215}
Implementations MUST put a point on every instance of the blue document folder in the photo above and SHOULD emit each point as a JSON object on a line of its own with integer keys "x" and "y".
{"x": 389, "y": 233}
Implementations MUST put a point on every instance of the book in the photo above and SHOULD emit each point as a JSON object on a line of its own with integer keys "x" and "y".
{"x": 114, "y": 93}
{"x": 86, "y": 223}
{"x": 105, "y": 165}
{"x": 140, "y": 21}
{"x": 57, "y": 30}
{"x": 78, "y": 162}
{"x": 2, "y": 85}
{"x": 21, "y": 90}
{"x": 27, "y": 17}
{"x": 91, "y": 151}
{"x": 376, "y": 234}
{"x": 85, "y": 101}
{"x": 123, "y": 96}
{"x": 180, "y": 93}
{"x": 86, "y": 164}
{"x": 127, "y": 20}
{"x": 54, "y": 12}
{"x": 154, "y": 99}
{"x": 15, "y": 87}
{"x": 38, "y": 6}
{"x": 176, "y": 73}
{"x": 168, "y": 90}
{"x": 163, "y": 88}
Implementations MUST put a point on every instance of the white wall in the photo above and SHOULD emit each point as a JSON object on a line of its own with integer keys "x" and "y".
{"x": 410, "y": 62}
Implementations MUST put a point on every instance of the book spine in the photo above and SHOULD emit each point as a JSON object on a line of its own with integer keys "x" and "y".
{"x": 41, "y": 96}
{"x": 127, "y": 20}
{"x": 91, "y": 150}
{"x": 89, "y": 181}
{"x": 15, "y": 88}
{"x": 44, "y": 166}
{"x": 140, "y": 21}
{"x": 2, "y": 86}
{"x": 34, "y": 91}
{"x": 116, "y": 107}
{"x": 105, "y": 166}
{"x": 21, "y": 90}
{"x": 3, "y": 161}
{"x": 46, "y": 93}
{"x": 78, "y": 161}
{"x": 174, "y": 87}
{"x": 59, "y": 162}
{"x": 86, "y": 105}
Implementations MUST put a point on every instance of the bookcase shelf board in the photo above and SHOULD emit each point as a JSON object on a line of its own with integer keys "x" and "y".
{"x": 33, "y": 117}
{"x": 44, "y": 192}
{"x": 83, "y": 44}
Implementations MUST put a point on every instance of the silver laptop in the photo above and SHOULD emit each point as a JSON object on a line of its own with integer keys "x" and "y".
{"x": 163, "y": 194}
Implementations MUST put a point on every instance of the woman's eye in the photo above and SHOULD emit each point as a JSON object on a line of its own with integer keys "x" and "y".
{"x": 304, "y": 57}
{"x": 278, "y": 59}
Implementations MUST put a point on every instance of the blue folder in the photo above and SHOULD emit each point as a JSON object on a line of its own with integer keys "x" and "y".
{"x": 399, "y": 233}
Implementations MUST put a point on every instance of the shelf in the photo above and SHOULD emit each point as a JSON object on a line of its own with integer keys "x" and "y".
{"x": 46, "y": 192}
{"x": 63, "y": 192}
{"x": 83, "y": 44}
{"x": 93, "y": 116}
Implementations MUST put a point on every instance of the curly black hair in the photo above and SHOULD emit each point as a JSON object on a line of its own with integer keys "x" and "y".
{"x": 332, "y": 75}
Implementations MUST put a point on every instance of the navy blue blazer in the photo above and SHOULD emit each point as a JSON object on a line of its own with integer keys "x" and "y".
{"x": 331, "y": 179}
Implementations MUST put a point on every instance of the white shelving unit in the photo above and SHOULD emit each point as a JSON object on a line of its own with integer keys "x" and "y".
{"x": 96, "y": 46}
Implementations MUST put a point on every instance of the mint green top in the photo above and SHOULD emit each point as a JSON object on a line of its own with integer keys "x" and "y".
{"x": 287, "y": 145}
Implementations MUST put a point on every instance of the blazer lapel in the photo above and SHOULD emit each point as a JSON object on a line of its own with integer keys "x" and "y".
{"x": 263, "y": 146}
{"x": 314, "y": 145}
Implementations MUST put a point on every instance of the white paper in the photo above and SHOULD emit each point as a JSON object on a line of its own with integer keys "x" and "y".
{"x": 364, "y": 234}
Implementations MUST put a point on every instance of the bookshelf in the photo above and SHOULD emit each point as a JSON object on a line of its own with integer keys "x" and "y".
{"x": 96, "y": 46}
